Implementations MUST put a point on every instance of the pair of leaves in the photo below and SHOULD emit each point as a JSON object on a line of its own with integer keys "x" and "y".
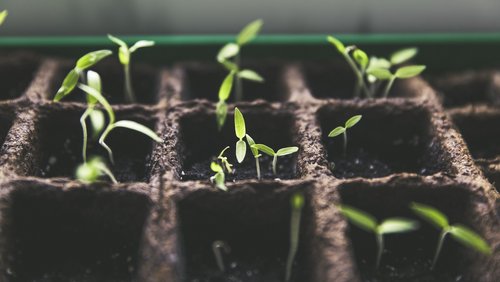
{"x": 401, "y": 73}
{"x": 240, "y": 131}
{"x": 269, "y": 151}
{"x": 227, "y": 83}
{"x": 124, "y": 51}
{"x": 3, "y": 15}
{"x": 459, "y": 232}
{"x": 348, "y": 124}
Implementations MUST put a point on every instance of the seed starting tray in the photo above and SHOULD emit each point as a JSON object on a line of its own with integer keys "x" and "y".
{"x": 434, "y": 141}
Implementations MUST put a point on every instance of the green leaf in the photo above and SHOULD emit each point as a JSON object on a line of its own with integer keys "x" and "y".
{"x": 92, "y": 58}
{"x": 397, "y": 225}
{"x": 226, "y": 86}
{"x": 141, "y": 44}
{"x": 249, "y": 32}
{"x": 430, "y": 214}
{"x": 297, "y": 201}
{"x": 219, "y": 181}
{"x": 3, "y": 15}
{"x": 98, "y": 122}
{"x": 221, "y": 113}
{"x": 353, "y": 121}
{"x": 361, "y": 58}
{"x": 265, "y": 149}
{"x": 336, "y": 131}
{"x": 124, "y": 55}
{"x": 250, "y": 141}
{"x": 139, "y": 128}
{"x": 97, "y": 95}
{"x": 118, "y": 41}
{"x": 403, "y": 55}
{"x": 69, "y": 83}
{"x": 409, "y": 71}
{"x": 378, "y": 63}
{"x": 94, "y": 81}
{"x": 380, "y": 73}
{"x": 250, "y": 75}
{"x": 241, "y": 150}
{"x": 230, "y": 66}
{"x": 335, "y": 42}
{"x": 239, "y": 124}
{"x": 215, "y": 167}
{"x": 87, "y": 173}
{"x": 227, "y": 51}
{"x": 287, "y": 151}
{"x": 470, "y": 239}
{"x": 359, "y": 218}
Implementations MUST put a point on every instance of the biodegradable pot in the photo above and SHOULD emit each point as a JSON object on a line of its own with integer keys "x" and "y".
{"x": 160, "y": 222}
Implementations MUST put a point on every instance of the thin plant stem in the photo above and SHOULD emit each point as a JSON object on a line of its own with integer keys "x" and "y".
{"x": 217, "y": 246}
{"x": 359, "y": 77}
{"x": 84, "y": 131}
{"x": 294, "y": 240}
{"x": 439, "y": 246}
{"x": 345, "y": 143}
{"x": 388, "y": 87}
{"x": 129, "y": 91}
{"x": 380, "y": 246}
{"x": 275, "y": 161}
{"x": 257, "y": 166}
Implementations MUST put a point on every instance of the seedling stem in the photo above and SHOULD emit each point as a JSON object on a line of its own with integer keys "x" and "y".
{"x": 343, "y": 130}
{"x": 296, "y": 203}
{"x": 270, "y": 152}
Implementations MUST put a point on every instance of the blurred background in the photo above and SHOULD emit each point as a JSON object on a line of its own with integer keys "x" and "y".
{"x": 99, "y": 17}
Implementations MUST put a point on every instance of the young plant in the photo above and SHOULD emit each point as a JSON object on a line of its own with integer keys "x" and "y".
{"x": 255, "y": 153}
{"x": 217, "y": 248}
{"x": 401, "y": 73}
{"x": 229, "y": 57}
{"x": 224, "y": 162}
{"x": 459, "y": 232}
{"x": 3, "y": 15}
{"x": 270, "y": 152}
{"x": 240, "y": 131}
{"x": 343, "y": 129}
{"x": 124, "y": 54}
{"x": 91, "y": 171}
{"x": 220, "y": 177}
{"x": 296, "y": 203}
{"x": 71, "y": 80}
{"x": 368, "y": 223}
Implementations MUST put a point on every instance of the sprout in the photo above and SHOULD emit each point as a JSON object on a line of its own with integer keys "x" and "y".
{"x": 71, "y": 79}
{"x": 224, "y": 162}
{"x": 255, "y": 154}
{"x": 124, "y": 54}
{"x": 270, "y": 152}
{"x": 296, "y": 203}
{"x": 461, "y": 233}
{"x": 401, "y": 73}
{"x": 219, "y": 178}
{"x": 3, "y": 15}
{"x": 217, "y": 246}
{"x": 90, "y": 171}
{"x": 343, "y": 129}
{"x": 229, "y": 57}
{"x": 368, "y": 223}
{"x": 240, "y": 131}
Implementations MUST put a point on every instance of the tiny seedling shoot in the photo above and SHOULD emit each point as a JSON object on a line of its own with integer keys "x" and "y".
{"x": 343, "y": 129}
{"x": 92, "y": 170}
{"x": 218, "y": 247}
{"x": 459, "y": 232}
{"x": 255, "y": 153}
{"x": 220, "y": 177}
{"x": 368, "y": 223}
{"x": 400, "y": 73}
{"x": 124, "y": 55}
{"x": 270, "y": 152}
{"x": 229, "y": 57}
{"x": 3, "y": 15}
{"x": 296, "y": 203}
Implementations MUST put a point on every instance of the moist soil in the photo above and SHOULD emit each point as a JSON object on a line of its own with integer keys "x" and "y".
{"x": 16, "y": 72}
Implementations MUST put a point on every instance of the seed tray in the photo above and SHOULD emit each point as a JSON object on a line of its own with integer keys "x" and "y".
{"x": 159, "y": 222}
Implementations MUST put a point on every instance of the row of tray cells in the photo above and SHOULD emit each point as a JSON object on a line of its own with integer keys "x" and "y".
{"x": 55, "y": 234}
{"x": 381, "y": 144}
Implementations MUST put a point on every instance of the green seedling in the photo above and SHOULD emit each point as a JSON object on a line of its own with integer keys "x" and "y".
{"x": 218, "y": 247}
{"x": 343, "y": 129}
{"x": 229, "y": 57}
{"x": 270, "y": 152}
{"x": 91, "y": 171}
{"x": 71, "y": 80}
{"x": 368, "y": 223}
{"x": 255, "y": 153}
{"x": 296, "y": 203}
{"x": 224, "y": 162}
{"x": 401, "y": 73}
{"x": 240, "y": 131}
{"x": 3, "y": 15}
{"x": 459, "y": 232}
{"x": 124, "y": 55}
{"x": 219, "y": 178}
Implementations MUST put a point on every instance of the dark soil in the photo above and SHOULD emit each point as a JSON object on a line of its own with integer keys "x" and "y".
{"x": 203, "y": 82}
{"x": 61, "y": 145}
{"x": 145, "y": 82}
{"x": 481, "y": 133}
{"x": 16, "y": 72}
{"x": 5, "y": 124}
{"x": 79, "y": 235}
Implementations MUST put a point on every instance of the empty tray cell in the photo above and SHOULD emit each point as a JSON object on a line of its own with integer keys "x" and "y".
{"x": 145, "y": 83}
{"x": 202, "y": 142}
{"x": 202, "y": 81}
{"x": 408, "y": 256}
{"x": 17, "y": 72}
{"x": 387, "y": 140}
{"x": 75, "y": 235}
{"x": 464, "y": 88}
{"x": 335, "y": 80}
{"x": 61, "y": 139}
{"x": 5, "y": 124}
{"x": 255, "y": 225}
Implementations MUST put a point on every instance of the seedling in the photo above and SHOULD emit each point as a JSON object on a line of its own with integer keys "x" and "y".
{"x": 3, "y": 15}
{"x": 368, "y": 223}
{"x": 217, "y": 248}
{"x": 92, "y": 170}
{"x": 401, "y": 73}
{"x": 71, "y": 79}
{"x": 219, "y": 178}
{"x": 343, "y": 129}
{"x": 255, "y": 154}
{"x": 124, "y": 54}
{"x": 224, "y": 162}
{"x": 296, "y": 203}
{"x": 270, "y": 152}
{"x": 229, "y": 57}
{"x": 240, "y": 131}
{"x": 459, "y": 232}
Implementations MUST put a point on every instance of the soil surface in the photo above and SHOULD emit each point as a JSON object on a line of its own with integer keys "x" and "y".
{"x": 16, "y": 72}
